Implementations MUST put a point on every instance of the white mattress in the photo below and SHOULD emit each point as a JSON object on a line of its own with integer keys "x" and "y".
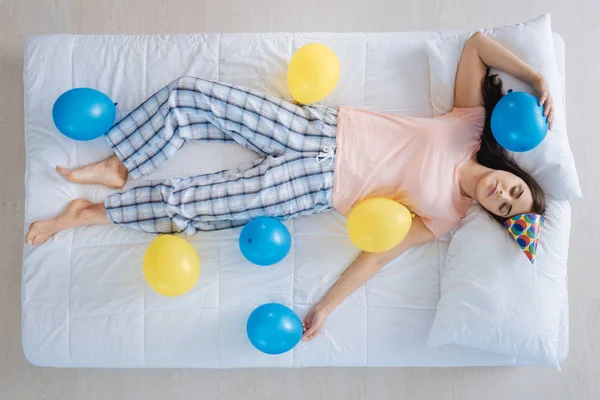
{"x": 84, "y": 299}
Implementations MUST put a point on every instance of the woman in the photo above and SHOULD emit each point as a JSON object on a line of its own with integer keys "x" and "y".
{"x": 434, "y": 166}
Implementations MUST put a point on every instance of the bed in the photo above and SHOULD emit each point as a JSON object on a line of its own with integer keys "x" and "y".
{"x": 84, "y": 299}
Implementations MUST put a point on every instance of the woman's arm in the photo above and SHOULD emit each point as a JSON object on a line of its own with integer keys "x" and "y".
{"x": 360, "y": 271}
{"x": 481, "y": 52}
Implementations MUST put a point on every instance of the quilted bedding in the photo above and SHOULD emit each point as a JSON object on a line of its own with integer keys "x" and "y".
{"x": 84, "y": 299}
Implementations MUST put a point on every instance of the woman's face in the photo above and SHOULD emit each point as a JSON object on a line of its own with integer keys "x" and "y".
{"x": 503, "y": 194}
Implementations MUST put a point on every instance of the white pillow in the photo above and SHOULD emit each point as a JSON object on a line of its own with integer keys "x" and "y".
{"x": 551, "y": 163}
{"x": 494, "y": 299}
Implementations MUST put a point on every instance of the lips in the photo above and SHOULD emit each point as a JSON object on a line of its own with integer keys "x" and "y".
{"x": 493, "y": 190}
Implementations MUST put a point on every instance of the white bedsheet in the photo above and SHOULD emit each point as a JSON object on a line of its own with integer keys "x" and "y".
{"x": 84, "y": 299}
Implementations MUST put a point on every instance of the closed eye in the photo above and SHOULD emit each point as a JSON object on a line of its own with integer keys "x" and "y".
{"x": 506, "y": 209}
{"x": 514, "y": 190}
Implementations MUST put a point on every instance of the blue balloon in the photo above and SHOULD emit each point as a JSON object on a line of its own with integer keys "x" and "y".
{"x": 274, "y": 329}
{"x": 518, "y": 122}
{"x": 83, "y": 113}
{"x": 265, "y": 241}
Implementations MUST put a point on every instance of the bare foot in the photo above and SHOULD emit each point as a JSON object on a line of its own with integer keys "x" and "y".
{"x": 110, "y": 172}
{"x": 41, "y": 231}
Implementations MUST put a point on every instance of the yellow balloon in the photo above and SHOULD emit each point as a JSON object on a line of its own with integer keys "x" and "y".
{"x": 313, "y": 73}
{"x": 378, "y": 224}
{"x": 171, "y": 265}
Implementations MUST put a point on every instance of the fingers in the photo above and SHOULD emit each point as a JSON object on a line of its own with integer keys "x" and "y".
{"x": 543, "y": 98}
{"x": 30, "y": 236}
{"x": 544, "y": 101}
{"x": 310, "y": 329}
{"x": 550, "y": 119}
{"x": 311, "y": 325}
{"x": 309, "y": 334}
{"x": 305, "y": 326}
{"x": 547, "y": 106}
{"x": 549, "y": 111}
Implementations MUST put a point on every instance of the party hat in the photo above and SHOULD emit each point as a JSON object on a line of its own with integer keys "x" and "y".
{"x": 525, "y": 229}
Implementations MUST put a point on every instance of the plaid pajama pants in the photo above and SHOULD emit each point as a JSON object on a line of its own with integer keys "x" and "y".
{"x": 293, "y": 178}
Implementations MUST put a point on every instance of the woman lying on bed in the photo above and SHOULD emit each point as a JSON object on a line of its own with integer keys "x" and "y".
{"x": 434, "y": 166}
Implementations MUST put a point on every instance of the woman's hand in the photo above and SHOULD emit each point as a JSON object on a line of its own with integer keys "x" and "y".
{"x": 361, "y": 270}
{"x": 541, "y": 86}
{"x": 313, "y": 322}
{"x": 481, "y": 51}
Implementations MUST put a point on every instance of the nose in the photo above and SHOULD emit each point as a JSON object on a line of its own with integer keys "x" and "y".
{"x": 501, "y": 194}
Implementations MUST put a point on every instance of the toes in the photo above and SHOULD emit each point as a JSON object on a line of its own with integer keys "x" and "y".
{"x": 28, "y": 238}
{"x": 32, "y": 237}
{"x": 63, "y": 171}
{"x": 35, "y": 240}
{"x": 39, "y": 239}
{"x": 37, "y": 234}
{"x": 31, "y": 233}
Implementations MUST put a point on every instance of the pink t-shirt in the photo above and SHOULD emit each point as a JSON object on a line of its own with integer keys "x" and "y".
{"x": 411, "y": 160}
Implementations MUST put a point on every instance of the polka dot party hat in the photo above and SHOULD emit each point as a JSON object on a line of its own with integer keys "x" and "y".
{"x": 525, "y": 229}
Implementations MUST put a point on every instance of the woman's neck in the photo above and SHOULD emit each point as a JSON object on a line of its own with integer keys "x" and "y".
{"x": 469, "y": 174}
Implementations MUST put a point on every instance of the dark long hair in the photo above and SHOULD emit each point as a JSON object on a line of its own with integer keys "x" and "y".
{"x": 494, "y": 156}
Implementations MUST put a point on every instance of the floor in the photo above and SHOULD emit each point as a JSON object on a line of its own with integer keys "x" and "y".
{"x": 576, "y": 20}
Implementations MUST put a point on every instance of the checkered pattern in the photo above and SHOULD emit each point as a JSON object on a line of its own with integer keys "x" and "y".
{"x": 287, "y": 182}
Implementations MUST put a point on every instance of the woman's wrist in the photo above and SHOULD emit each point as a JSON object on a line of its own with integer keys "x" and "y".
{"x": 323, "y": 308}
{"x": 534, "y": 77}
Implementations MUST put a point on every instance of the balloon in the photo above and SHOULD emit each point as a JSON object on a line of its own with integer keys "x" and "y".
{"x": 378, "y": 224}
{"x": 83, "y": 113}
{"x": 313, "y": 73}
{"x": 171, "y": 265}
{"x": 518, "y": 122}
{"x": 265, "y": 241}
{"x": 274, "y": 329}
